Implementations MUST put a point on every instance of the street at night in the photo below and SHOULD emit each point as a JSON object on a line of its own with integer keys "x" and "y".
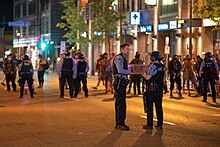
{"x": 47, "y": 120}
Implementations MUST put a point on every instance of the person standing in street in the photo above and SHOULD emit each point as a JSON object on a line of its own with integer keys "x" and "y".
{"x": 120, "y": 72}
{"x": 67, "y": 71}
{"x": 82, "y": 70}
{"x": 25, "y": 72}
{"x": 10, "y": 72}
{"x": 40, "y": 70}
{"x": 135, "y": 78}
{"x": 209, "y": 73}
{"x": 156, "y": 77}
{"x": 174, "y": 68}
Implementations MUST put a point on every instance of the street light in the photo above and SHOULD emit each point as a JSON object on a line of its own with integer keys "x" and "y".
{"x": 125, "y": 28}
{"x": 18, "y": 34}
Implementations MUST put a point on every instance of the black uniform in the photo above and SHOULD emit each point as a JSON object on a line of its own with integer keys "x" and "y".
{"x": 67, "y": 74}
{"x": 175, "y": 68}
{"x": 26, "y": 73}
{"x": 82, "y": 69}
{"x": 209, "y": 69}
{"x": 154, "y": 93}
{"x": 120, "y": 71}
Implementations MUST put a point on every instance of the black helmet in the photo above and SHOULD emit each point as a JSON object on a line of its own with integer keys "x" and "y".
{"x": 156, "y": 55}
{"x": 26, "y": 57}
{"x": 208, "y": 55}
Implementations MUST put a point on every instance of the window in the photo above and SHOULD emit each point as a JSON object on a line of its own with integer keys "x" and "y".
{"x": 17, "y": 11}
{"x": 24, "y": 7}
{"x": 169, "y": 7}
{"x": 31, "y": 7}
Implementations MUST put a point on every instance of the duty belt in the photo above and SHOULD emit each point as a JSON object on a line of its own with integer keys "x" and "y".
{"x": 67, "y": 69}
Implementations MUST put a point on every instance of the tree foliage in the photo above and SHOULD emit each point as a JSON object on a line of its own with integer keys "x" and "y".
{"x": 105, "y": 18}
{"x": 73, "y": 23}
{"x": 210, "y": 10}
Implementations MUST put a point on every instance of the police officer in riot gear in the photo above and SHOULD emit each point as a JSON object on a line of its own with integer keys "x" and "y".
{"x": 82, "y": 70}
{"x": 174, "y": 68}
{"x": 209, "y": 73}
{"x": 120, "y": 72}
{"x": 156, "y": 78}
{"x": 25, "y": 72}
{"x": 67, "y": 71}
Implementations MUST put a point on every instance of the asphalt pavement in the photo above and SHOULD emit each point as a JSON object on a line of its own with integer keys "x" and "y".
{"x": 47, "y": 120}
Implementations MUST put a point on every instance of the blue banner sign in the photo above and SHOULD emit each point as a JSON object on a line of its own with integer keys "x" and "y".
{"x": 19, "y": 24}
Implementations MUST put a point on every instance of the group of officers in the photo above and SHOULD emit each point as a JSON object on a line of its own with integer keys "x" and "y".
{"x": 155, "y": 80}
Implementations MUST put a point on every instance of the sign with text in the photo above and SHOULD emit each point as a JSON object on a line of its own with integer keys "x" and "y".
{"x": 19, "y": 24}
{"x": 62, "y": 46}
{"x": 163, "y": 27}
{"x": 173, "y": 24}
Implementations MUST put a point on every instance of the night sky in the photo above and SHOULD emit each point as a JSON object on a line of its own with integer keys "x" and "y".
{"x": 6, "y": 9}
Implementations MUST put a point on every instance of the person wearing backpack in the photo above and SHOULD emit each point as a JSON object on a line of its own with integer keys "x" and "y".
{"x": 209, "y": 73}
{"x": 40, "y": 70}
{"x": 82, "y": 69}
{"x": 67, "y": 71}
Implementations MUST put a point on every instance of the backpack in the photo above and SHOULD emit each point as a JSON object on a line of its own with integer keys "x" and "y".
{"x": 209, "y": 68}
{"x": 81, "y": 67}
{"x": 46, "y": 65}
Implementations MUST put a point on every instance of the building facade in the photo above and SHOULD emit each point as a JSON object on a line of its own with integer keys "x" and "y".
{"x": 42, "y": 16}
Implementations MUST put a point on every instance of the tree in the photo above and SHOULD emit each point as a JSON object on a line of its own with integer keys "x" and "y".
{"x": 210, "y": 10}
{"x": 74, "y": 23}
{"x": 105, "y": 18}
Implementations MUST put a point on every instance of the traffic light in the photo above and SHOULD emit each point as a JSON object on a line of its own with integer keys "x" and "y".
{"x": 42, "y": 45}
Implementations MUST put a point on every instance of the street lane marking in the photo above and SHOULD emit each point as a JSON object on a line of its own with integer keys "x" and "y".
{"x": 165, "y": 122}
{"x": 215, "y": 114}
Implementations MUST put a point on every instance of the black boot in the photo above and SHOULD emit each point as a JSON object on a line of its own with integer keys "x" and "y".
{"x": 180, "y": 93}
{"x": 171, "y": 94}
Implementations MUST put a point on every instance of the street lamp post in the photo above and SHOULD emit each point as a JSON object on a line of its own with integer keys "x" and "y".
{"x": 18, "y": 34}
{"x": 125, "y": 28}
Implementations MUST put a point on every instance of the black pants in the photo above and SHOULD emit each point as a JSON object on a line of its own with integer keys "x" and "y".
{"x": 10, "y": 78}
{"x": 29, "y": 79}
{"x": 40, "y": 75}
{"x": 83, "y": 78}
{"x": 154, "y": 97}
{"x": 136, "y": 80}
{"x": 205, "y": 86}
{"x": 173, "y": 80}
{"x": 66, "y": 75}
{"x": 120, "y": 105}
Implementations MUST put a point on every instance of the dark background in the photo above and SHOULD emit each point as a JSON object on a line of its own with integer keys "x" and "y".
{"x": 6, "y": 9}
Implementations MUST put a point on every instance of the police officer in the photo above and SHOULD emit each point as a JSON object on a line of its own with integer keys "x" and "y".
{"x": 174, "y": 69}
{"x": 209, "y": 73}
{"x": 25, "y": 72}
{"x": 82, "y": 69}
{"x": 155, "y": 82}
{"x": 67, "y": 71}
{"x": 120, "y": 72}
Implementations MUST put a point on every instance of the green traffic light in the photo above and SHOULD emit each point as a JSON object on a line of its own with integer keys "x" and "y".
{"x": 43, "y": 46}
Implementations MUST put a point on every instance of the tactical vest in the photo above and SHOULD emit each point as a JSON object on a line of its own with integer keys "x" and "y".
{"x": 209, "y": 69}
{"x": 155, "y": 83}
{"x": 125, "y": 64}
{"x": 81, "y": 67}
{"x": 67, "y": 64}
{"x": 26, "y": 67}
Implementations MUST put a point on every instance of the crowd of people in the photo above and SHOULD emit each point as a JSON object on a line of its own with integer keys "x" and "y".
{"x": 113, "y": 72}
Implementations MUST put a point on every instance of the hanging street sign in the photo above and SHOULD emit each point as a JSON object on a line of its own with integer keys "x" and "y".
{"x": 18, "y": 24}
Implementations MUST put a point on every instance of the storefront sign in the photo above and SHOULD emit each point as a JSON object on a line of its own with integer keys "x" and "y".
{"x": 151, "y": 2}
{"x": 142, "y": 28}
{"x": 163, "y": 27}
{"x": 149, "y": 28}
{"x": 173, "y": 24}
